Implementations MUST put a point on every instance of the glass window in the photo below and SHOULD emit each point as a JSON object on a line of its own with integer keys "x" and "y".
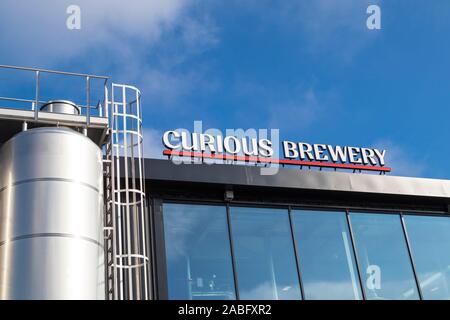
{"x": 197, "y": 252}
{"x": 264, "y": 251}
{"x": 429, "y": 238}
{"x": 382, "y": 253}
{"x": 327, "y": 261}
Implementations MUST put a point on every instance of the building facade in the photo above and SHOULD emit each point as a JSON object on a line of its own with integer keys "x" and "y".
{"x": 223, "y": 231}
{"x": 84, "y": 216}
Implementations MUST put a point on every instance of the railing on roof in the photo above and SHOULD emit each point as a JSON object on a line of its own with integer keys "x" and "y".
{"x": 35, "y": 103}
{"x": 126, "y": 225}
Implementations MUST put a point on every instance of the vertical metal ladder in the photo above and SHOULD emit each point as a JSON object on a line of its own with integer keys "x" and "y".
{"x": 108, "y": 219}
{"x": 126, "y": 220}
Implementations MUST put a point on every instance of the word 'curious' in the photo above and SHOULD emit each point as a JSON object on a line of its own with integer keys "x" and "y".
{"x": 252, "y": 147}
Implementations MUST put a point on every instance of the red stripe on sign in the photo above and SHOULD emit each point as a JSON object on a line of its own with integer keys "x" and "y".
{"x": 270, "y": 160}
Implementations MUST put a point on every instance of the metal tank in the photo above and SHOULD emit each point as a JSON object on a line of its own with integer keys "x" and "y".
{"x": 51, "y": 223}
{"x": 61, "y": 106}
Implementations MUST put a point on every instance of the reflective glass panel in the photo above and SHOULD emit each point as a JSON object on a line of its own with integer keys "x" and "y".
{"x": 327, "y": 261}
{"x": 197, "y": 252}
{"x": 429, "y": 238}
{"x": 264, "y": 251}
{"x": 382, "y": 253}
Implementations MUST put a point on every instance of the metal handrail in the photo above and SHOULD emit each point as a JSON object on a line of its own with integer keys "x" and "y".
{"x": 3, "y": 66}
{"x": 43, "y": 102}
{"x": 37, "y": 102}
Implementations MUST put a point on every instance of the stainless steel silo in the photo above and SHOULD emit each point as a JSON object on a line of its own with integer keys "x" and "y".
{"x": 51, "y": 223}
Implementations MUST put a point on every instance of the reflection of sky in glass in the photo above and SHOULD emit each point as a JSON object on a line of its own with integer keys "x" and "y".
{"x": 326, "y": 255}
{"x": 430, "y": 245}
{"x": 380, "y": 242}
{"x": 199, "y": 262}
{"x": 264, "y": 250}
{"x": 197, "y": 252}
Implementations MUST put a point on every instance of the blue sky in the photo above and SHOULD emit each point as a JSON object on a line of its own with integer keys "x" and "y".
{"x": 310, "y": 68}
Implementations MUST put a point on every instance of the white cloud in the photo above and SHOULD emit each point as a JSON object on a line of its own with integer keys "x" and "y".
{"x": 143, "y": 43}
{"x": 266, "y": 291}
{"x": 294, "y": 114}
{"x": 153, "y": 147}
{"x": 285, "y": 107}
{"x": 138, "y": 42}
{"x": 336, "y": 28}
{"x": 334, "y": 290}
{"x": 326, "y": 29}
{"x": 166, "y": 88}
{"x": 401, "y": 162}
{"x": 37, "y": 29}
{"x": 199, "y": 34}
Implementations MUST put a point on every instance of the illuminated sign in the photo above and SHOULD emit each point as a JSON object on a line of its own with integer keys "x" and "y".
{"x": 206, "y": 146}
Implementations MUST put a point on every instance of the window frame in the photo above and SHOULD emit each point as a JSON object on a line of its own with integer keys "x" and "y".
{"x": 344, "y": 212}
{"x": 159, "y": 267}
